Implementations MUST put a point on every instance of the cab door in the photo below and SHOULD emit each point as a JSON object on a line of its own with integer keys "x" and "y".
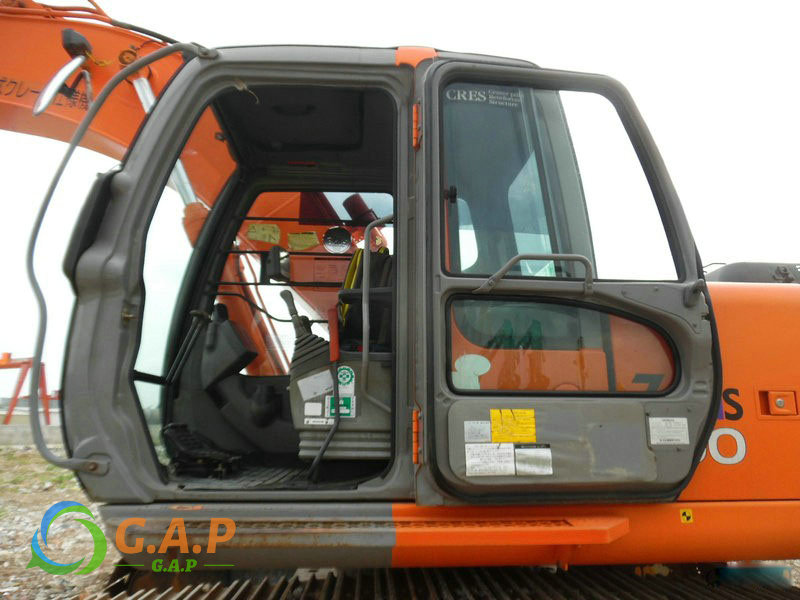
{"x": 571, "y": 350}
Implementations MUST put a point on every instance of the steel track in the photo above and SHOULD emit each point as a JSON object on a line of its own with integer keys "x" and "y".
{"x": 510, "y": 583}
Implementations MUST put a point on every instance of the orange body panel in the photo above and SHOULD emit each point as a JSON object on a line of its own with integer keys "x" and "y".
{"x": 719, "y": 531}
{"x": 760, "y": 342}
{"x": 744, "y": 496}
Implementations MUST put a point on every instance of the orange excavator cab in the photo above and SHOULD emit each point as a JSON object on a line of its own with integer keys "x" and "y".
{"x": 435, "y": 309}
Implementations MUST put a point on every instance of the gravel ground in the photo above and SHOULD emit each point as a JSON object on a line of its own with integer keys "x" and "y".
{"x": 28, "y": 486}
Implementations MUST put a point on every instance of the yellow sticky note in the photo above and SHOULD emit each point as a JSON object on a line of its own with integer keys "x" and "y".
{"x": 303, "y": 240}
{"x": 264, "y": 232}
{"x": 514, "y": 425}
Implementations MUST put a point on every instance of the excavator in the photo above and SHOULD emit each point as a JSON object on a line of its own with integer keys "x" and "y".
{"x": 423, "y": 323}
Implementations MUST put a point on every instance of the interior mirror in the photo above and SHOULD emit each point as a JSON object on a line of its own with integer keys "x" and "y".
{"x": 274, "y": 265}
{"x": 337, "y": 240}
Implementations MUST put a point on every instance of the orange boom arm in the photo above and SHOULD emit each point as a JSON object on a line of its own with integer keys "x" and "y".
{"x": 31, "y": 51}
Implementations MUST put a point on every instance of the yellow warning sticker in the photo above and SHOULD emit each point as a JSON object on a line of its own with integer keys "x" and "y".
{"x": 303, "y": 240}
{"x": 264, "y": 232}
{"x": 686, "y": 515}
{"x": 513, "y": 425}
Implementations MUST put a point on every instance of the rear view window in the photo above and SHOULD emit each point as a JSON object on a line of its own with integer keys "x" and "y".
{"x": 532, "y": 346}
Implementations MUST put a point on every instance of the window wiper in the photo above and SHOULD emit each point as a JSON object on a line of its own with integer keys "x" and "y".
{"x": 588, "y": 279}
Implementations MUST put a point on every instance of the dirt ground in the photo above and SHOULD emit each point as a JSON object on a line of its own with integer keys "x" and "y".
{"x": 28, "y": 486}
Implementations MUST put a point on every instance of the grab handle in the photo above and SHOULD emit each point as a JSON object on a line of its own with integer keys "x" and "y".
{"x": 490, "y": 283}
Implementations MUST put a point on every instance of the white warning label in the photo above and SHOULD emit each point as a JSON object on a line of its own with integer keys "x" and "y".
{"x": 477, "y": 431}
{"x": 312, "y": 409}
{"x": 317, "y": 421}
{"x": 315, "y": 385}
{"x": 533, "y": 459}
{"x": 489, "y": 459}
{"x": 665, "y": 431}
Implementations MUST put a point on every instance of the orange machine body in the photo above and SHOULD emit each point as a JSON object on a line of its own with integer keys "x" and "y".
{"x": 32, "y": 51}
{"x": 742, "y": 502}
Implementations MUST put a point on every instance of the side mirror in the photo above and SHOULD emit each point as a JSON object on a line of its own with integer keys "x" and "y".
{"x": 79, "y": 48}
{"x": 57, "y": 84}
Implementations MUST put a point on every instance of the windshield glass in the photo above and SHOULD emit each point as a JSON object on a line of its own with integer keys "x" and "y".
{"x": 544, "y": 172}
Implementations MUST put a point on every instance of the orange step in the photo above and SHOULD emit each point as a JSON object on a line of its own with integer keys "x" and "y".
{"x": 553, "y": 531}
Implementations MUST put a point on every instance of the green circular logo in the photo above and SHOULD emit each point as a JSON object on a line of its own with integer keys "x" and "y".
{"x": 346, "y": 375}
{"x": 40, "y": 559}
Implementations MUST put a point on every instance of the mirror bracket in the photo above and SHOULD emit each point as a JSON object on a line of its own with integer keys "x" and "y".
{"x": 274, "y": 265}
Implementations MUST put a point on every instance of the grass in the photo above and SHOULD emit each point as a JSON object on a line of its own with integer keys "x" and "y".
{"x": 23, "y": 470}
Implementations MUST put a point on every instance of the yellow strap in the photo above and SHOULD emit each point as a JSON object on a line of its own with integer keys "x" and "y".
{"x": 350, "y": 278}
{"x": 352, "y": 269}
{"x": 97, "y": 61}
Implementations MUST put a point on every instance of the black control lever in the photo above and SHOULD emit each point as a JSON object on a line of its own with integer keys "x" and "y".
{"x": 302, "y": 325}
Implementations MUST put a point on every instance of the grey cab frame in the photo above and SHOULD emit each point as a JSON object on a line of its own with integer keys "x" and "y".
{"x": 680, "y": 309}
{"x": 102, "y": 415}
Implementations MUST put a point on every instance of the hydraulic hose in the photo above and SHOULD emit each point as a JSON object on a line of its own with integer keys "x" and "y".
{"x": 77, "y": 464}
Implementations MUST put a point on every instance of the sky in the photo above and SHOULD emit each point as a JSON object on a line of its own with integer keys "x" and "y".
{"x": 717, "y": 82}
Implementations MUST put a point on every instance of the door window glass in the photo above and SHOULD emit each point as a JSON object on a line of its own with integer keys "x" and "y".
{"x": 522, "y": 345}
{"x": 467, "y": 246}
{"x": 545, "y": 172}
{"x": 194, "y": 185}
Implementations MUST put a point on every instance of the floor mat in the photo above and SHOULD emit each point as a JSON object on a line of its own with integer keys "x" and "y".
{"x": 251, "y": 478}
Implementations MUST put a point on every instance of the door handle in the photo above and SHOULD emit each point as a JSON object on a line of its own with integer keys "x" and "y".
{"x": 588, "y": 279}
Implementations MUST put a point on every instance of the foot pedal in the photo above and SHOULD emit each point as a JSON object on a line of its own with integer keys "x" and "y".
{"x": 195, "y": 455}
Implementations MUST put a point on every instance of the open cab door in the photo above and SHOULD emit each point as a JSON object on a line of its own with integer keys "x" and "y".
{"x": 571, "y": 349}
{"x": 215, "y": 325}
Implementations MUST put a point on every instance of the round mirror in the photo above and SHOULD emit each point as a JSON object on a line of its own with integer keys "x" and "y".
{"x": 337, "y": 240}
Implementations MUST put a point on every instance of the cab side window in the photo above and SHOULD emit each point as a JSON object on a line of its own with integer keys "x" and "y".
{"x": 544, "y": 172}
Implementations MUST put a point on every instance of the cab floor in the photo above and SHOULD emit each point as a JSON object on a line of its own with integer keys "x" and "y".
{"x": 250, "y": 478}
